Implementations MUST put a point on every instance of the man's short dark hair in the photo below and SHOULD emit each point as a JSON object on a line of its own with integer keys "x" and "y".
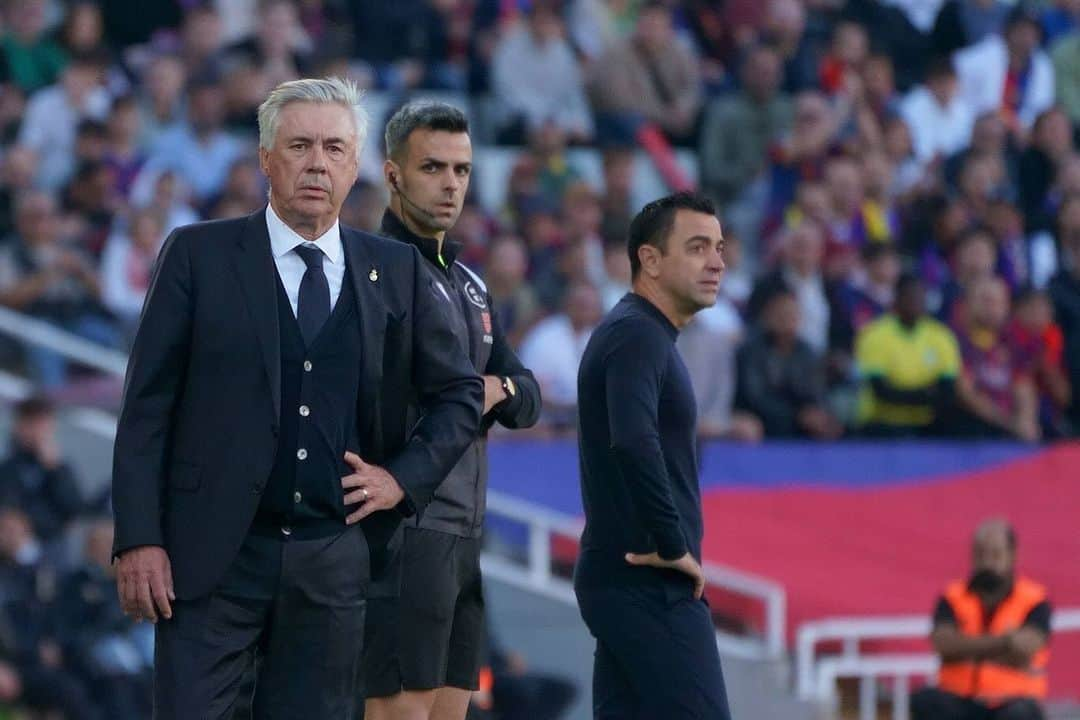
{"x": 34, "y": 407}
{"x": 421, "y": 115}
{"x": 653, "y": 224}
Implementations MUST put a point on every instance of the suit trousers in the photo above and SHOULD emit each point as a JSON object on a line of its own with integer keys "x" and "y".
{"x": 656, "y": 655}
{"x": 291, "y": 609}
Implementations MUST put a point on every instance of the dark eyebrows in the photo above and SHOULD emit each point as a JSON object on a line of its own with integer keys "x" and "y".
{"x": 443, "y": 163}
{"x": 699, "y": 238}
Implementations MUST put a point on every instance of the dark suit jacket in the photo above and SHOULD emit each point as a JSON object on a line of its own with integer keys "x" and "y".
{"x": 199, "y": 423}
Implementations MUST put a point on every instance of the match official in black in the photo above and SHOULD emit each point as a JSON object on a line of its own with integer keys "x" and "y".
{"x": 638, "y": 579}
{"x": 425, "y": 626}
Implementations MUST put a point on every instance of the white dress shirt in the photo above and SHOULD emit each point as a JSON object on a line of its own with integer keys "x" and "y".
{"x": 291, "y": 267}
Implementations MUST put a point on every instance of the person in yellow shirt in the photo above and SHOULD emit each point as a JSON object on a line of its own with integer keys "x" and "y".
{"x": 908, "y": 363}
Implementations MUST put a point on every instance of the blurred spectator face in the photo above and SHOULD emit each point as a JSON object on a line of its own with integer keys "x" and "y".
{"x": 15, "y": 532}
{"x": 988, "y": 303}
{"x": 27, "y": 19}
{"x": 583, "y": 307}
{"x": 883, "y": 269}
{"x": 548, "y": 140}
{"x": 165, "y": 80}
{"x": 278, "y": 28}
{"x": 581, "y": 211}
{"x": 877, "y": 174}
{"x": 976, "y": 257}
{"x": 982, "y": 174}
{"x": 83, "y": 28}
{"x": 99, "y": 540}
{"x": 1053, "y": 133}
{"x": 733, "y": 249}
{"x": 92, "y": 190}
{"x": 34, "y": 430}
{"x": 943, "y": 87}
{"x": 124, "y": 122}
{"x": 845, "y": 186}
{"x": 1068, "y": 177}
{"x": 878, "y": 77}
{"x": 898, "y": 139}
{"x": 804, "y": 249}
{"x": 813, "y": 121}
{"x": 309, "y": 181}
{"x": 36, "y": 220}
{"x": 761, "y": 73}
{"x": 206, "y": 109}
{"x": 618, "y": 172}
{"x": 850, "y": 44}
{"x": 243, "y": 181}
{"x": 782, "y": 318}
{"x": 471, "y": 228}
{"x": 617, "y": 264}
{"x": 201, "y": 32}
{"x": 364, "y": 207}
{"x": 434, "y": 177}
{"x": 1034, "y": 312}
{"x": 20, "y": 166}
{"x": 545, "y": 25}
{"x": 507, "y": 263}
{"x": 1004, "y": 219}
{"x": 654, "y": 30}
{"x": 1023, "y": 38}
{"x": 541, "y": 230}
{"x": 1069, "y": 231}
{"x": 166, "y": 190}
{"x": 245, "y": 87}
{"x": 79, "y": 80}
{"x": 786, "y": 21}
{"x": 812, "y": 199}
{"x": 146, "y": 232}
{"x": 989, "y": 133}
{"x": 91, "y": 142}
{"x": 572, "y": 263}
{"x": 911, "y": 301}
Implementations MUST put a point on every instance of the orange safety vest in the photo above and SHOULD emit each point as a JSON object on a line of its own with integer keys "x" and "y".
{"x": 985, "y": 681}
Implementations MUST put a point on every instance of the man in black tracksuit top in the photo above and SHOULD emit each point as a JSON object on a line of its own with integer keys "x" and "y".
{"x": 425, "y": 625}
{"x": 638, "y": 578}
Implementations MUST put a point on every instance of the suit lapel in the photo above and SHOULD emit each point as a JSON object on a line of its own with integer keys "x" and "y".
{"x": 255, "y": 268}
{"x": 367, "y": 279}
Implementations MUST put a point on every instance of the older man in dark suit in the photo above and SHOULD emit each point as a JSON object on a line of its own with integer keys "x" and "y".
{"x": 264, "y": 417}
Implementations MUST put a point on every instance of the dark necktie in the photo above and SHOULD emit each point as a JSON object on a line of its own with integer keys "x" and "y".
{"x": 313, "y": 307}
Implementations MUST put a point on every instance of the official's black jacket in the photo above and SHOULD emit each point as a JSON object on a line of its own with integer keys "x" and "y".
{"x": 459, "y": 502}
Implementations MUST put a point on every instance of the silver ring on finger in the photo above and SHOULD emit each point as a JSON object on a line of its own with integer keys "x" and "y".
{"x": 364, "y": 490}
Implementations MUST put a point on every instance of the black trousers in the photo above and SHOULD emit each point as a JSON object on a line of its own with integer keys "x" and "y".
{"x": 293, "y": 609}
{"x": 656, "y": 656}
{"x": 932, "y": 703}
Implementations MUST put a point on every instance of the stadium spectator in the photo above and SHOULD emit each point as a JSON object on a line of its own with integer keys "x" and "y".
{"x": 405, "y": 44}
{"x": 126, "y": 266}
{"x": 161, "y": 97}
{"x": 536, "y": 79}
{"x": 1008, "y": 73}
{"x": 31, "y": 59}
{"x": 616, "y": 275}
{"x": 199, "y": 151}
{"x": 989, "y": 137}
{"x": 83, "y": 29}
{"x": 553, "y": 348}
{"x": 1065, "y": 55}
{"x": 110, "y": 652}
{"x": 514, "y": 299}
{"x": 939, "y": 120}
{"x": 1064, "y": 291}
{"x": 991, "y": 632}
{"x": 91, "y": 198}
{"x": 908, "y": 363}
{"x": 201, "y": 41}
{"x": 1051, "y": 147}
{"x": 708, "y": 345}
{"x": 996, "y": 392}
{"x": 618, "y": 169}
{"x": 1040, "y": 343}
{"x": 28, "y": 630}
{"x": 781, "y": 379}
{"x": 840, "y": 71}
{"x": 801, "y": 273}
{"x": 581, "y": 220}
{"x": 649, "y": 78}
{"x": 1060, "y": 18}
{"x": 739, "y": 128}
{"x": 869, "y": 293}
{"x": 34, "y": 477}
{"x": 124, "y": 155}
{"x": 278, "y": 46}
{"x": 801, "y": 154}
{"x": 16, "y": 177}
{"x": 974, "y": 258}
{"x": 962, "y": 23}
{"x": 167, "y": 198}
{"x": 784, "y": 28}
{"x": 43, "y": 275}
{"x": 53, "y": 115}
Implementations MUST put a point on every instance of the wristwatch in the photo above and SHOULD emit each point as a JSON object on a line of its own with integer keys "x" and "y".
{"x": 508, "y": 387}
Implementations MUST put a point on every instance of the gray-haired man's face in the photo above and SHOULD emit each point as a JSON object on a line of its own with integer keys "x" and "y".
{"x": 313, "y": 164}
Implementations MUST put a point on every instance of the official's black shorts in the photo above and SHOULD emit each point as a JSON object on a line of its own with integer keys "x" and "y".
{"x": 433, "y": 634}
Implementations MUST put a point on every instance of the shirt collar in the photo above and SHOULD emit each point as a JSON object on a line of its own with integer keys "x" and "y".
{"x": 393, "y": 227}
{"x": 283, "y": 238}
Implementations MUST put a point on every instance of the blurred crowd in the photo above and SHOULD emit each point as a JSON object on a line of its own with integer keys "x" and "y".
{"x": 899, "y": 181}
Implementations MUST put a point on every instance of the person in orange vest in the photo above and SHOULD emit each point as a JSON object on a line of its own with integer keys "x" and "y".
{"x": 991, "y": 632}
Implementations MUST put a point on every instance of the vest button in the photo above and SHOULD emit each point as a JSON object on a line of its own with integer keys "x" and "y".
{"x": 297, "y": 497}
{"x": 304, "y": 411}
{"x": 286, "y": 531}
{"x": 256, "y": 488}
{"x": 301, "y": 454}
{"x": 307, "y": 366}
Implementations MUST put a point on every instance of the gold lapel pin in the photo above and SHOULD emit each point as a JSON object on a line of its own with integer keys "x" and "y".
{"x": 373, "y": 276}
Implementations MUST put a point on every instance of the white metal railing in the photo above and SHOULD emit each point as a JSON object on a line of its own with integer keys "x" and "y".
{"x": 44, "y": 334}
{"x": 543, "y": 525}
{"x": 816, "y": 676}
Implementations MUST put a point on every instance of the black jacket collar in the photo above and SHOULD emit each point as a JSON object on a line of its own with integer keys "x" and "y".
{"x": 393, "y": 227}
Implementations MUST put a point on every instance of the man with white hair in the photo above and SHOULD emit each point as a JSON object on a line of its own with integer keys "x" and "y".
{"x": 265, "y": 416}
